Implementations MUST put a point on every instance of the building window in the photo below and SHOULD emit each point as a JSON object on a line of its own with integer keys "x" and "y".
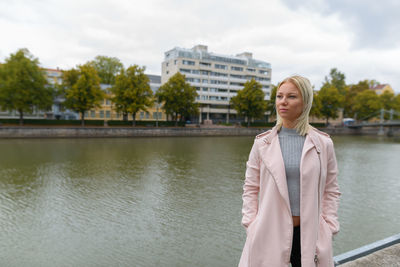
{"x": 108, "y": 102}
{"x": 238, "y": 76}
{"x": 213, "y": 90}
{"x": 101, "y": 113}
{"x": 175, "y": 61}
{"x": 167, "y": 72}
{"x": 159, "y": 115}
{"x": 219, "y": 66}
{"x": 205, "y": 64}
{"x": 251, "y": 70}
{"x": 205, "y": 89}
{"x": 141, "y": 115}
{"x": 92, "y": 113}
{"x": 155, "y": 115}
{"x": 204, "y": 81}
{"x": 147, "y": 115}
{"x": 188, "y": 62}
{"x": 117, "y": 116}
{"x": 108, "y": 114}
{"x": 167, "y": 64}
{"x": 204, "y": 72}
{"x": 236, "y": 68}
{"x": 263, "y": 72}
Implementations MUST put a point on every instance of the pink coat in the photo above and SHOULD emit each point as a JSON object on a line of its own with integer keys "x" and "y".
{"x": 266, "y": 208}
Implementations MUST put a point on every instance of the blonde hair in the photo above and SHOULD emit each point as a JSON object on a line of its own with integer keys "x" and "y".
{"x": 305, "y": 88}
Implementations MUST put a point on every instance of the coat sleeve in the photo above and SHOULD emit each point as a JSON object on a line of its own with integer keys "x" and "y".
{"x": 331, "y": 195}
{"x": 251, "y": 187}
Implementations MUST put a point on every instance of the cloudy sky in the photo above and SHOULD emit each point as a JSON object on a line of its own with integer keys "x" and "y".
{"x": 359, "y": 37}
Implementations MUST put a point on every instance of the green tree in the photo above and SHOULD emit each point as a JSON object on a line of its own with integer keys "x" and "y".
{"x": 336, "y": 79}
{"x": 132, "y": 92}
{"x": 82, "y": 89}
{"x": 178, "y": 98}
{"x": 331, "y": 101}
{"x": 107, "y": 68}
{"x": 351, "y": 92}
{"x": 249, "y": 101}
{"x": 387, "y": 102}
{"x": 366, "y": 105}
{"x": 271, "y": 102}
{"x": 23, "y": 86}
{"x": 396, "y": 106}
{"x": 316, "y": 106}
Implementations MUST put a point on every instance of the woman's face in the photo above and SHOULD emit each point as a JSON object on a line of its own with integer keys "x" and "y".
{"x": 289, "y": 104}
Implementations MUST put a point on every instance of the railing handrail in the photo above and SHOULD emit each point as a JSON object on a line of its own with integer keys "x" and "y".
{"x": 366, "y": 250}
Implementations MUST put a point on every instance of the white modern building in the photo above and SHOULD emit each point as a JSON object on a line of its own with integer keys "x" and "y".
{"x": 216, "y": 78}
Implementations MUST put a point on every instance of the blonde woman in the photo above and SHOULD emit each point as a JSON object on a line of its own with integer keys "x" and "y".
{"x": 290, "y": 193}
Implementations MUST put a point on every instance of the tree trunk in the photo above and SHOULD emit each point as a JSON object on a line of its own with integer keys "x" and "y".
{"x": 248, "y": 122}
{"x": 21, "y": 117}
{"x": 133, "y": 119}
{"x": 83, "y": 119}
{"x": 176, "y": 119}
{"x": 125, "y": 116}
{"x": 327, "y": 121}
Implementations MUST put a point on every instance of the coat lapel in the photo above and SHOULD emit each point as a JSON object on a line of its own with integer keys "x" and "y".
{"x": 271, "y": 156}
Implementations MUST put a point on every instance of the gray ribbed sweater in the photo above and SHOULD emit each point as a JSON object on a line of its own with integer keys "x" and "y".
{"x": 292, "y": 146}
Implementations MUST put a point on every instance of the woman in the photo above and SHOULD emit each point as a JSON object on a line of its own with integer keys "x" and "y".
{"x": 290, "y": 193}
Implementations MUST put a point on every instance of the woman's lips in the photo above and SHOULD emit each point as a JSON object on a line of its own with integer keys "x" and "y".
{"x": 283, "y": 109}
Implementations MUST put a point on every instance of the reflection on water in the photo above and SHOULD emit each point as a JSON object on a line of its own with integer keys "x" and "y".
{"x": 163, "y": 201}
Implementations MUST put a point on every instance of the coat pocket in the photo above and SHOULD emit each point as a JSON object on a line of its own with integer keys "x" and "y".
{"x": 324, "y": 244}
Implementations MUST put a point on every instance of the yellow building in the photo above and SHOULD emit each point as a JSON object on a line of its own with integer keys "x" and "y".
{"x": 381, "y": 88}
{"x": 106, "y": 111}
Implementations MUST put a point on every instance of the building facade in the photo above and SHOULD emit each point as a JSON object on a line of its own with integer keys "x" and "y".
{"x": 106, "y": 111}
{"x": 381, "y": 88}
{"x": 217, "y": 78}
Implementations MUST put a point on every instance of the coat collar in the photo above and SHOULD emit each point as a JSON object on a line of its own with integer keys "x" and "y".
{"x": 271, "y": 156}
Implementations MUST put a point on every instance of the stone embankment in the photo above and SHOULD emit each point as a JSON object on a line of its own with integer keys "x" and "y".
{"x": 99, "y": 132}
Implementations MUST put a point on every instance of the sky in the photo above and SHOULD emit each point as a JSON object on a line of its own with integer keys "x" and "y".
{"x": 361, "y": 38}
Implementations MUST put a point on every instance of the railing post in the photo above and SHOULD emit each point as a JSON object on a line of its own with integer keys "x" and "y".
{"x": 381, "y": 131}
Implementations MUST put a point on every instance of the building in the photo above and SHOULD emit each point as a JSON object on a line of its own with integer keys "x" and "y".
{"x": 54, "y": 78}
{"x": 106, "y": 111}
{"x": 217, "y": 78}
{"x": 381, "y": 88}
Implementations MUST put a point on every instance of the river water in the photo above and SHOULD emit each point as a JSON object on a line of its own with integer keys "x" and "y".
{"x": 164, "y": 201}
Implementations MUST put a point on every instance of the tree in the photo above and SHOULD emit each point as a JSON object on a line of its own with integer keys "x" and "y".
{"x": 351, "y": 92}
{"x": 331, "y": 101}
{"x": 396, "y": 106}
{"x": 249, "y": 101}
{"x": 23, "y": 86}
{"x": 271, "y": 102}
{"x": 387, "y": 102}
{"x": 178, "y": 98}
{"x": 82, "y": 89}
{"x": 132, "y": 92}
{"x": 107, "y": 68}
{"x": 366, "y": 105}
{"x": 316, "y": 106}
{"x": 336, "y": 79}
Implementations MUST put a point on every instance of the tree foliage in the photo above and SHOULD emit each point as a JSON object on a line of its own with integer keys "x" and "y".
{"x": 337, "y": 80}
{"x": 178, "y": 98}
{"x": 366, "y": 105}
{"x": 351, "y": 92}
{"x": 387, "y": 102}
{"x": 271, "y": 102}
{"x": 331, "y": 101}
{"x": 107, "y": 68}
{"x": 249, "y": 101}
{"x": 316, "y": 106}
{"x": 82, "y": 89}
{"x": 23, "y": 86}
{"x": 132, "y": 92}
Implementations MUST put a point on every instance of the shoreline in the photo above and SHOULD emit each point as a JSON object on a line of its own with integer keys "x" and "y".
{"x": 8, "y": 132}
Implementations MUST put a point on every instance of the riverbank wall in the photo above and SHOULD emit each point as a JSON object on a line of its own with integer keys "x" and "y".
{"x": 102, "y": 132}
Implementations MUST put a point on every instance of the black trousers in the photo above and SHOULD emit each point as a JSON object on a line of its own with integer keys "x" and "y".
{"x": 295, "y": 255}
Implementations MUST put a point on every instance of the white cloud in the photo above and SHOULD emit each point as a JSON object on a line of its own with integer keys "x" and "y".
{"x": 302, "y": 40}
